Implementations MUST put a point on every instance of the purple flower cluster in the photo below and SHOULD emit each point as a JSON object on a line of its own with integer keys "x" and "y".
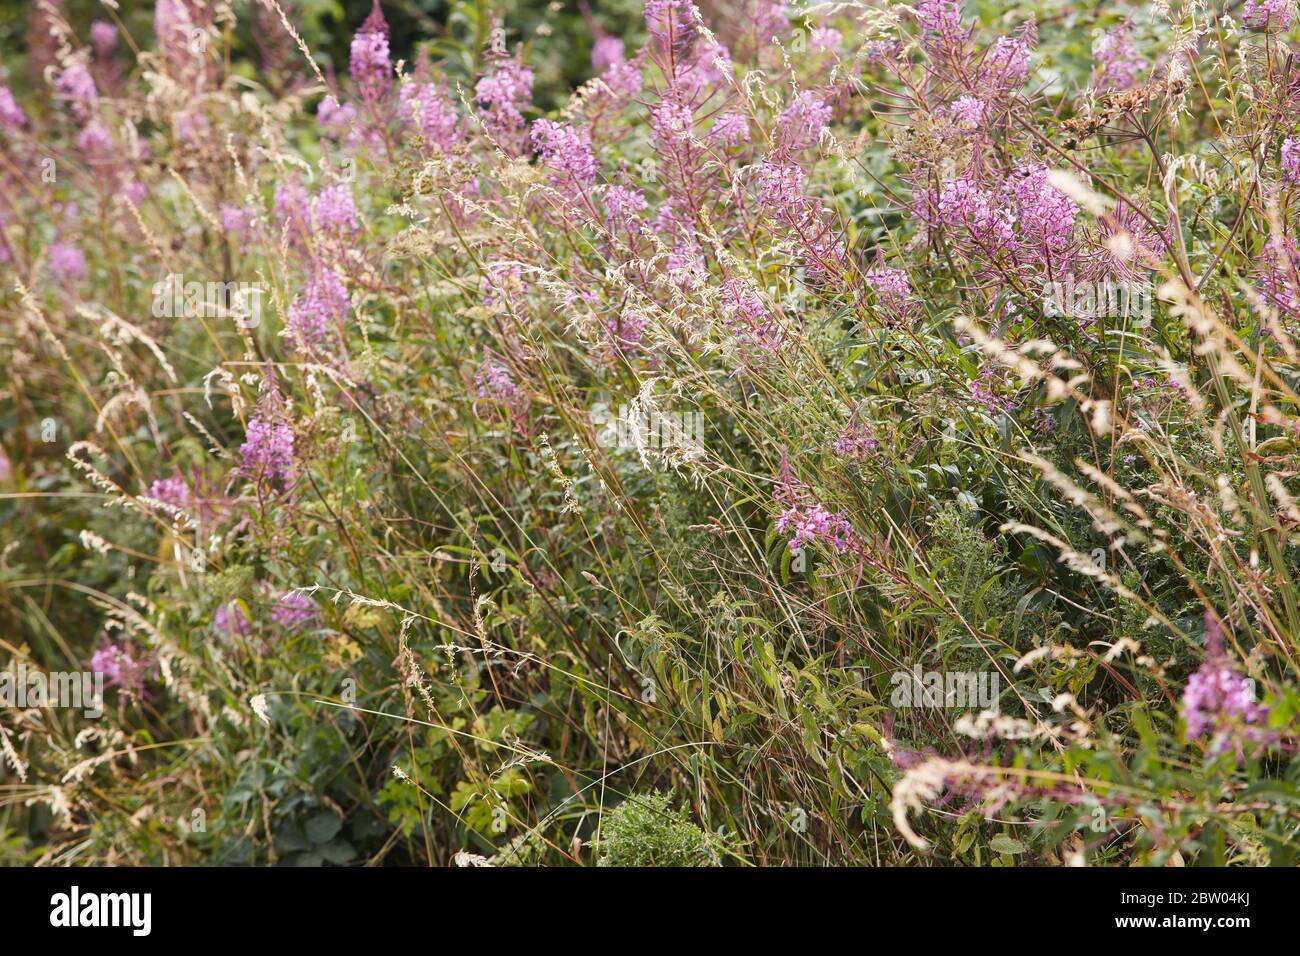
{"x": 503, "y": 283}
{"x": 622, "y": 206}
{"x": 1219, "y": 701}
{"x": 730, "y": 129}
{"x": 812, "y": 523}
{"x": 1118, "y": 63}
{"x": 1274, "y": 272}
{"x": 856, "y": 439}
{"x": 808, "y": 520}
{"x": 236, "y": 221}
{"x": 230, "y": 620}
{"x": 171, "y": 491}
{"x": 428, "y": 108}
{"x": 172, "y": 23}
{"x": 335, "y": 118}
{"x": 780, "y": 187}
{"x": 567, "y": 152}
{"x": 502, "y": 94}
{"x": 95, "y": 142}
{"x": 292, "y": 209}
{"x": 606, "y": 52}
{"x": 623, "y": 79}
{"x": 1006, "y": 64}
{"x": 962, "y": 203}
{"x": 294, "y": 610}
{"x": 672, "y": 22}
{"x": 825, "y": 40}
{"x": 670, "y": 122}
{"x": 267, "y": 451}
{"x": 121, "y": 666}
{"x": 12, "y": 116}
{"x": 771, "y": 19}
{"x": 968, "y": 112}
{"x": 892, "y": 288}
{"x": 1291, "y": 160}
{"x": 747, "y": 315}
{"x": 1267, "y": 14}
{"x": 941, "y": 26}
{"x": 76, "y": 87}
{"x": 1129, "y": 242}
{"x": 1045, "y": 216}
{"x": 494, "y": 381}
{"x": 627, "y": 328}
{"x": 984, "y": 390}
{"x": 324, "y": 302}
{"x": 801, "y": 123}
{"x": 372, "y": 70}
{"x": 335, "y": 210}
{"x": 104, "y": 36}
{"x": 67, "y": 263}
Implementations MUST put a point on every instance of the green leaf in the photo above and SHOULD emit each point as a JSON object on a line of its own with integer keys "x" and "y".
{"x": 1005, "y": 844}
{"x": 323, "y": 827}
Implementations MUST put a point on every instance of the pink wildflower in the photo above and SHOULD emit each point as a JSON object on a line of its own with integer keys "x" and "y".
{"x": 67, "y": 264}
{"x": 369, "y": 62}
{"x": 730, "y": 129}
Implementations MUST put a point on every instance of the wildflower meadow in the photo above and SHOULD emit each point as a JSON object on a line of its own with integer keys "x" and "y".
{"x": 682, "y": 433}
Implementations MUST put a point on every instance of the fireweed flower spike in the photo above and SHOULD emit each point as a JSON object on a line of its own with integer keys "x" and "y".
{"x": 171, "y": 491}
{"x": 267, "y": 451}
{"x": 335, "y": 118}
{"x": 266, "y": 456}
{"x": 1268, "y": 14}
{"x": 494, "y": 381}
{"x": 892, "y": 289}
{"x": 67, "y": 263}
{"x": 856, "y": 439}
{"x": 372, "y": 70}
{"x": 1291, "y": 160}
{"x": 623, "y": 206}
{"x": 1118, "y": 64}
{"x": 606, "y": 52}
{"x": 75, "y": 87}
{"x": 428, "y": 109}
{"x": 567, "y": 153}
{"x": 182, "y": 41}
{"x": 236, "y": 221}
{"x": 104, "y": 36}
{"x": 292, "y": 210}
{"x": 808, "y": 521}
{"x": 501, "y": 96}
{"x": 294, "y": 611}
{"x": 121, "y": 665}
{"x": 730, "y": 129}
{"x": 334, "y": 210}
{"x": 968, "y": 112}
{"x": 1220, "y": 703}
{"x": 324, "y": 304}
{"x": 229, "y": 620}
{"x": 12, "y": 116}
{"x": 801, "y": 123}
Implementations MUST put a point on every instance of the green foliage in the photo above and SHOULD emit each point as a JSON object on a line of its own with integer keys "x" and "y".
{"x": 645, "y": 830}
